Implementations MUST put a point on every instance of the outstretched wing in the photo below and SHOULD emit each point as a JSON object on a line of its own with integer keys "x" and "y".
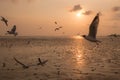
{"x": 39, "y": 60}
{"x": 93, "y": 27}
{"x": 2, "y": 18}
{"x": 13, "y": 29}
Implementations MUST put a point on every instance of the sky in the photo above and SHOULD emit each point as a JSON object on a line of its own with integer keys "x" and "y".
{"x": 38, "y": 17}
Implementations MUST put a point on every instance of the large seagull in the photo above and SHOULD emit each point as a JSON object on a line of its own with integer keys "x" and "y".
{"x": 93, "y": 30}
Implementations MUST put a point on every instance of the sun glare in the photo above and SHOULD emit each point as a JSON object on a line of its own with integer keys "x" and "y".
{"x": 78, "y": 14}
{"x": 77, "y": 37}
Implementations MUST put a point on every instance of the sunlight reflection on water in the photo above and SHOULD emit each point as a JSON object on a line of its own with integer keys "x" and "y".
{"x": 71, "y": 58}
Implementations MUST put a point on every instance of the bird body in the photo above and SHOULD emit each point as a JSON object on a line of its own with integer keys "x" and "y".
{"x": 91, "y": 39}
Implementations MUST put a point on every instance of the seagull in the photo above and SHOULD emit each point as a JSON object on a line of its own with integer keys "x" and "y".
{"x": 41, "y": 63}
{"x": 57, "y": 28}
{"x": 4, "y": 20}
{"x": 93, "y": 30}
{"x": 55, "y": 22}
{"x": 13, "y": 31}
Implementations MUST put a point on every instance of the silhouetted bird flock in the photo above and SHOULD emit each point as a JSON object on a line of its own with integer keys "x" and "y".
{"x": 13, "y": 30}
{"x": 92, "y": 28}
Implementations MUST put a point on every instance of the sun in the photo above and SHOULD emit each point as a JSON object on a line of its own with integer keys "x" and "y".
{"x": 78, "y": 14}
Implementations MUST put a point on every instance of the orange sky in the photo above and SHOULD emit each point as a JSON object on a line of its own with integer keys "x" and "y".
{"x": 31, "y": 15}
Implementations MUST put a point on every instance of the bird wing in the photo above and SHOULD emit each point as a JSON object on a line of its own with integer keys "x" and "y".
{"x": 44, "y": 62}
{"x": 39, "y": 60}
{"x": 60, "y": 27}
{"x": 6, "y": 23}
{"x": 2, "y": 18}
{"x": 93, "y": 27}
{"x": 19, "y": 62}
{"x": 13, "y": 29}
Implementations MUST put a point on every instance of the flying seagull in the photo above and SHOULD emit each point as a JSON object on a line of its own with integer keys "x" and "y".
{"x": 55, "y": 22}
{"x": 4, "y": 20}
{"x": 93, "y": 30}
{"x": 57, "y": 28}
{"x": 41, "y": 62}
{"x": 13, "y": 31}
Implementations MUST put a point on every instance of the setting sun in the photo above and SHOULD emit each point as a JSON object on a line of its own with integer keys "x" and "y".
{"x": 78, "y": 14}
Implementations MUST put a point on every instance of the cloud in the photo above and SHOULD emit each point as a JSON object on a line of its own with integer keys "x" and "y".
{"x": 89, "y": 12}
{"x": 116, "y": 8}
{"x": 16, "y": 1}
{"x": 76, "y": 8}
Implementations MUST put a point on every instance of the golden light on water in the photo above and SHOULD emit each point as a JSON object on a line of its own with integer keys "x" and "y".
{"x": 77, "y": 37}
{"x": 79, "y": 57}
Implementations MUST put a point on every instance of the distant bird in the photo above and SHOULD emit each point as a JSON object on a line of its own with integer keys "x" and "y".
{"x": 4, "y": 20}
{"x": 55, "y": 22}
{"x": 13, "y": 31}
{"x": 57, "y": 28}
{"x": 40, "y": 27}
{"x": 93, "y": 30}
{"x": 113, "y": 35}
{"x": 41, "y": 63}
{"x": 63, "y": 32}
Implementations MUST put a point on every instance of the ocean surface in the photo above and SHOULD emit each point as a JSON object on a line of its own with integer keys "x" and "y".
{"x": 67, "y": 58}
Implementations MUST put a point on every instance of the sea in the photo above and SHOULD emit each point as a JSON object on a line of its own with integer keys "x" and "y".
{"x": 59, "y": 58}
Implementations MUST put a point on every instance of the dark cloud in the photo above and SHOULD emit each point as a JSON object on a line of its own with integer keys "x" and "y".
{"x": 15, "y": 1}
{"x": 89, "y": 12}
{"x": 116, "y": 8}
{"x": 76, "y": 8}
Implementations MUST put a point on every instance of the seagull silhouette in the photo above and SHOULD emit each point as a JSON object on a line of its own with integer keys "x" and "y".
{"x": 13, "y": 31}
{"x": 55, "y": 22}
{"x": 42, "y": 62}
{"x": 93, "y": 30}
{"x": 4, "y": 20}
{"x": 58, "y": 28}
